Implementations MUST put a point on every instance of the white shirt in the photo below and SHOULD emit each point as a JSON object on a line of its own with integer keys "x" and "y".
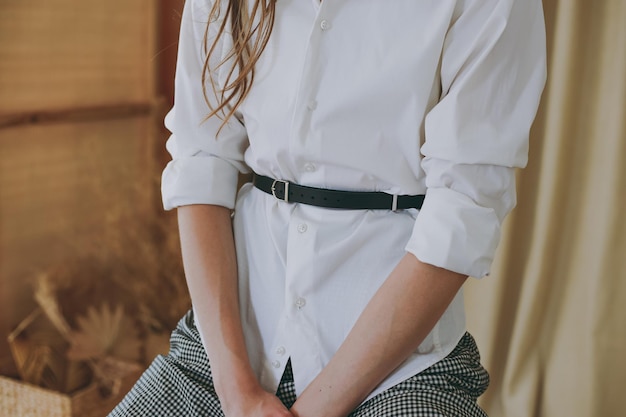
{"x": 400, "y": 96}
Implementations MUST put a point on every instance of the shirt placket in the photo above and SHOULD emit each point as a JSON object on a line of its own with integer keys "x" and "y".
{"x": 301, "y": 139}
{"x": 296, "y": 336}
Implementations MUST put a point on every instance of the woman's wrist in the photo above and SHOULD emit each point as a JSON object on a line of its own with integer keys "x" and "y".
{"x": 241, "y": 395}
{"x": 234, "y": 382}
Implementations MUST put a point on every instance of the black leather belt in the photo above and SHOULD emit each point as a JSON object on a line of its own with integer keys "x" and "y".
{"x": 355, "y": 200}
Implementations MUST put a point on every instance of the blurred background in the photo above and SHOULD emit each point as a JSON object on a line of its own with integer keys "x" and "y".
{"x": 90, "y": 277}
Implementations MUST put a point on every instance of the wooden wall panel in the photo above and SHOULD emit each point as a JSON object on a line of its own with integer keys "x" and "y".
{"x": 58, "y": 183}
{"x": 59, "y": 176}
{"x": 77, "y": 130}
{"x": 169, "y": 18}
{"x": 69, "y": 53}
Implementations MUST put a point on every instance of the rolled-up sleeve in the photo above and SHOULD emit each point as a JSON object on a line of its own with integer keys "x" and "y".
{"x": 205, "y": 164}
{"x": 493, "y": 70}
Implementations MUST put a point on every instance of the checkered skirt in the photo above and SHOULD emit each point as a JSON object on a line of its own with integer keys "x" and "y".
{"x": 180, "y": 384}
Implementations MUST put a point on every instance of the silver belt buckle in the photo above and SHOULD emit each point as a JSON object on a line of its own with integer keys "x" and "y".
{"x": 286, "y": 197}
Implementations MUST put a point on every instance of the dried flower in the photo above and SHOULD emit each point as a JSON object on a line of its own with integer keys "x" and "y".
{"x": 47, "y": 300}
{"x": 105, "y": 332}
{"x": 105, "y": 306}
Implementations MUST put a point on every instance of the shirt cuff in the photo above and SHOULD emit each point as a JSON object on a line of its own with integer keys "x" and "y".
{"x": 199, "y": 180}
{"x": 453, "y": 232}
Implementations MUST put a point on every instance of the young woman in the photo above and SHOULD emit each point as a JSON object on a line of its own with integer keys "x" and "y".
{"x": 382, "y": 137}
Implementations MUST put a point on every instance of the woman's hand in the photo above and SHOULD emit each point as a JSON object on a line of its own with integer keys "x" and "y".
{"x": 254, "y": 402}
{"x": 263, "y": 405}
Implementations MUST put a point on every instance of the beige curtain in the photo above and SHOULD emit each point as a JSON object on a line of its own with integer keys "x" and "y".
{"x": 551, "y": 318}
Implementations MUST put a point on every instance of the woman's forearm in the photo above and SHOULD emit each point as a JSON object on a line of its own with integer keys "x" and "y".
{"x": 210, "y": 263}
{"x": 211, "y": 271}
{"x": 394, "y": 323}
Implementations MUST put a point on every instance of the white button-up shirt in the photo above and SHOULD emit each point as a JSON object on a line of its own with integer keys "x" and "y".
{"x": 400, "y": 96}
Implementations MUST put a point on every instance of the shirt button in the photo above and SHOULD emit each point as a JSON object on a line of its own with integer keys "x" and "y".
{"x": 302, "y": 228}
{"x": 300, "y": 302}
{"x": 324, "y": 24}
{"x": 281, "y": 350}
{"x": 309, "y": 167}
{"x": 276, "y": 364}
{"x": 312, "y": 105}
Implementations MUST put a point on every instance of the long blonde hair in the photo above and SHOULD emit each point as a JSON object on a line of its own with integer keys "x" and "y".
{"x": 249, "y": 41}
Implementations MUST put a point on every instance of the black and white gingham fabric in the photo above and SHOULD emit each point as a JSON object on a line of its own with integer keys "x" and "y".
{"x": 449, "y": 388}
{"x": 180, "y": 384}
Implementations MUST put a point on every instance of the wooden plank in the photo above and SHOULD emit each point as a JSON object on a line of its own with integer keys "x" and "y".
{"x": 113, "y": 111}
{"x": 68, "y": 53}
{"x": 53, "y": 178}
{"x": 57, "y": 185}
